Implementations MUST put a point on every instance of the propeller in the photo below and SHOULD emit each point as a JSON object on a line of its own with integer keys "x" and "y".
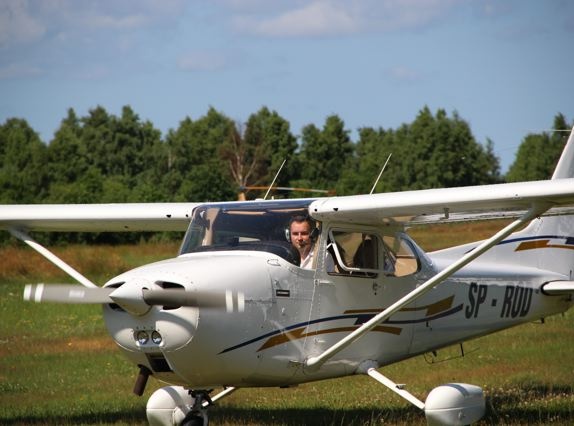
{"x": 66, "y": 293}
{"x": 135, "y": 297}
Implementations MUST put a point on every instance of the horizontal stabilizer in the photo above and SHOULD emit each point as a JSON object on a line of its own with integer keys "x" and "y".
{"x": 556, "y": 288}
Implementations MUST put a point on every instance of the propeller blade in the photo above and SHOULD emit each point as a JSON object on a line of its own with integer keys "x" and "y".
{"x": 129, "y": 299}
{"x": 176, "y": 298}
{"x": 66, "y": 293}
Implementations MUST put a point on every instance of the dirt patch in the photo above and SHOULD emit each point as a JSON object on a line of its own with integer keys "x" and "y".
{"x": 45, "y": 346}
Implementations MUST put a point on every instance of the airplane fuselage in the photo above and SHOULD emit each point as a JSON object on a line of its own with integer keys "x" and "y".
{"x": 291, "y": 314}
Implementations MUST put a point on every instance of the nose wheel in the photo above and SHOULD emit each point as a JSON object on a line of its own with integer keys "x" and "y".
{"x": 197, "y": 416}
{"x": 178, "y": 406}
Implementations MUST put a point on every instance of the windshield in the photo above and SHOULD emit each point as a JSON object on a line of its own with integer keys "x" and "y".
{"x": 243, "y": 226}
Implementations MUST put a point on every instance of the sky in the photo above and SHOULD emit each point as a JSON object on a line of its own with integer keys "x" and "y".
{"x": 505, "y": 66}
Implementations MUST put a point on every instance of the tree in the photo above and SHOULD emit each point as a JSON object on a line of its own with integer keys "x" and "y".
{"x": 538, "y": 153}
{"x": 244, "y": 158}
{"x": 67, "y": 153}
{"x": 195, "y": 170}
{"x": 23, "y": 174}
{"x": 431, "y": 152}
{"x": 372, "y": 151}
{"x": 133, "y": 147}
{"x": 274, "y": 134}
{"x": 254, "y": 154}
{"x": 125, "y": 152}
{"x": 324, "y": 153}
{"x": 443, "y": 153}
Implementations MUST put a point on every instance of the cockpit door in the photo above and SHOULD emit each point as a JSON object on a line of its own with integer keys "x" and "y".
{"x": 358, "y": 275}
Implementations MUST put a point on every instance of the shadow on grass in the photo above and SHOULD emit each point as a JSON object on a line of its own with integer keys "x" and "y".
{"x": 520, "y": 405}
{"x": 128, "y": 417}
{"x": 244, "y": 416}
{"x": 531, "y": 403}
{"x": 315, "y": 416}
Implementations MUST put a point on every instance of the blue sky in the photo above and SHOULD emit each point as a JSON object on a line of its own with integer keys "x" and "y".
{"x": 506, "y": 66}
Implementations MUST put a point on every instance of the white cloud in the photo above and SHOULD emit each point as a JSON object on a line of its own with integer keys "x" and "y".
{"x": 317, "y": 18}
{"x": 338, "y": 17}
{"x": 23, "y": 21}
{"x": 14, "y": 70}
{"x": 113, "y": 15}
{"x": 17, "y": 25}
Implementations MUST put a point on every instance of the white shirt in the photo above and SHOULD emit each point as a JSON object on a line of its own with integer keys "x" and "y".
{"x": 307, "y": 263}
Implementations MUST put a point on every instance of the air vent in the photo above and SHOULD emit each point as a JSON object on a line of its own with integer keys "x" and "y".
{"x": 167, "y": 284}
{"x": 158, "y": 363}
{"x": 171, "y": 286}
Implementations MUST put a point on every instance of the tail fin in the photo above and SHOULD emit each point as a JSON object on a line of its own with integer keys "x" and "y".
{"x": 549, "y": 241}
{"x": 565, "y": 167}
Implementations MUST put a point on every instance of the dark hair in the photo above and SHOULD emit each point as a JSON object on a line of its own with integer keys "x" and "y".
{"x": 302, "y": 218}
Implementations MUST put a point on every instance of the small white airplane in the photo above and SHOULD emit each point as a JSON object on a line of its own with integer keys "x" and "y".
{"x": 371, "y": 297}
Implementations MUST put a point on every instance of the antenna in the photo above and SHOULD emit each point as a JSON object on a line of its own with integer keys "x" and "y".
{"x": 274, "y": 179}
{"x": 381, "y": 173}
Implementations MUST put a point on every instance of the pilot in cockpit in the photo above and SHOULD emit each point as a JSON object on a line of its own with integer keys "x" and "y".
{"x": 303, "y": 234}
{"x": 300, "y": 233}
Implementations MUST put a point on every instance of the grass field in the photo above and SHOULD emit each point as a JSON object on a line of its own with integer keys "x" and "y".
{"x": 58, "y": 366}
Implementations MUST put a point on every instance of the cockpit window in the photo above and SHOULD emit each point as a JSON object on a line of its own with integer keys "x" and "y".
{"x": 259, "y": 226}
{"x": 365, "y": 254}
{"x": 354, "y": 253}
{"x": 400, "y": 255}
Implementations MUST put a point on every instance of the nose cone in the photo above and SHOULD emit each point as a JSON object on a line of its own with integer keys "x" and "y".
{"x": 129, "y": 296}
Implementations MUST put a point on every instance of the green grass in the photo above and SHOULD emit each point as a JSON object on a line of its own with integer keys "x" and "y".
{"x": 58, "y": 366}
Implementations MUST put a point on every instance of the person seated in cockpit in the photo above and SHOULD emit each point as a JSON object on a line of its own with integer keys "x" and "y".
{"x": 300, "y": 228}
{"x": 302, "y": 232}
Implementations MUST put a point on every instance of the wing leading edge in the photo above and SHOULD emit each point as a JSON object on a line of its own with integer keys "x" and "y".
{"x": 97, "y": 217}
{"x": 448, "y": 204}
{"x": 408, "y": 207}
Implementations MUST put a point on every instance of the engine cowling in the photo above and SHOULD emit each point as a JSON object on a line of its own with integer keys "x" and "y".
{"x": 454, "y": 404}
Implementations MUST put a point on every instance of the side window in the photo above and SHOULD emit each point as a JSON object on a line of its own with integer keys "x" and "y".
{"x": 354, "y": 253}
{"x": 364, "y": 254}
{"x": 400, "y": 258}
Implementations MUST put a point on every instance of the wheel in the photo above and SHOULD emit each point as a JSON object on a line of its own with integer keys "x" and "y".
{"x": 194, "y": 420}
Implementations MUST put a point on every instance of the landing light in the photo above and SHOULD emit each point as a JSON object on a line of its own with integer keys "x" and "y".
{"x": 156, "y": 338}
{"x": 142, "y": 337}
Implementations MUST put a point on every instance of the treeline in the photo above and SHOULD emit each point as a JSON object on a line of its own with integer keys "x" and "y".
{"x": 103, "y": 158}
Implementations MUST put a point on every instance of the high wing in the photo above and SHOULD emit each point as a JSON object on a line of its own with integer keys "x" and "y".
{"x": 455, "y": 204}
{"x": 409, "y": 207}
{"x": 447, "y": 204}
{"x": 97, "y": 217}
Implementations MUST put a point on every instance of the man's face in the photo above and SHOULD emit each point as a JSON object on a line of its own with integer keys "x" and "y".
{"x": 301, "y": 235}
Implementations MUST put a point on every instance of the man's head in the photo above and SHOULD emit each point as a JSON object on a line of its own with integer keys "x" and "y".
{"x": 300, "y": 228}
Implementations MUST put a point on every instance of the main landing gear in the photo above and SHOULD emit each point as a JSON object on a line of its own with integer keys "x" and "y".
{"x": 197, "y": 415}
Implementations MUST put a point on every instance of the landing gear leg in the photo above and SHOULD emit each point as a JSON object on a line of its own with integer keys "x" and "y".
{"x": 197, "y": 416}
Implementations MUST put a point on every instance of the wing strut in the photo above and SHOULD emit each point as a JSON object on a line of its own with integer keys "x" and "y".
{"x": 316, "y": 361}
{"x": 52, "y": 258}
{"x": 222, "y": 394}
{"x": 370, "y": 368}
